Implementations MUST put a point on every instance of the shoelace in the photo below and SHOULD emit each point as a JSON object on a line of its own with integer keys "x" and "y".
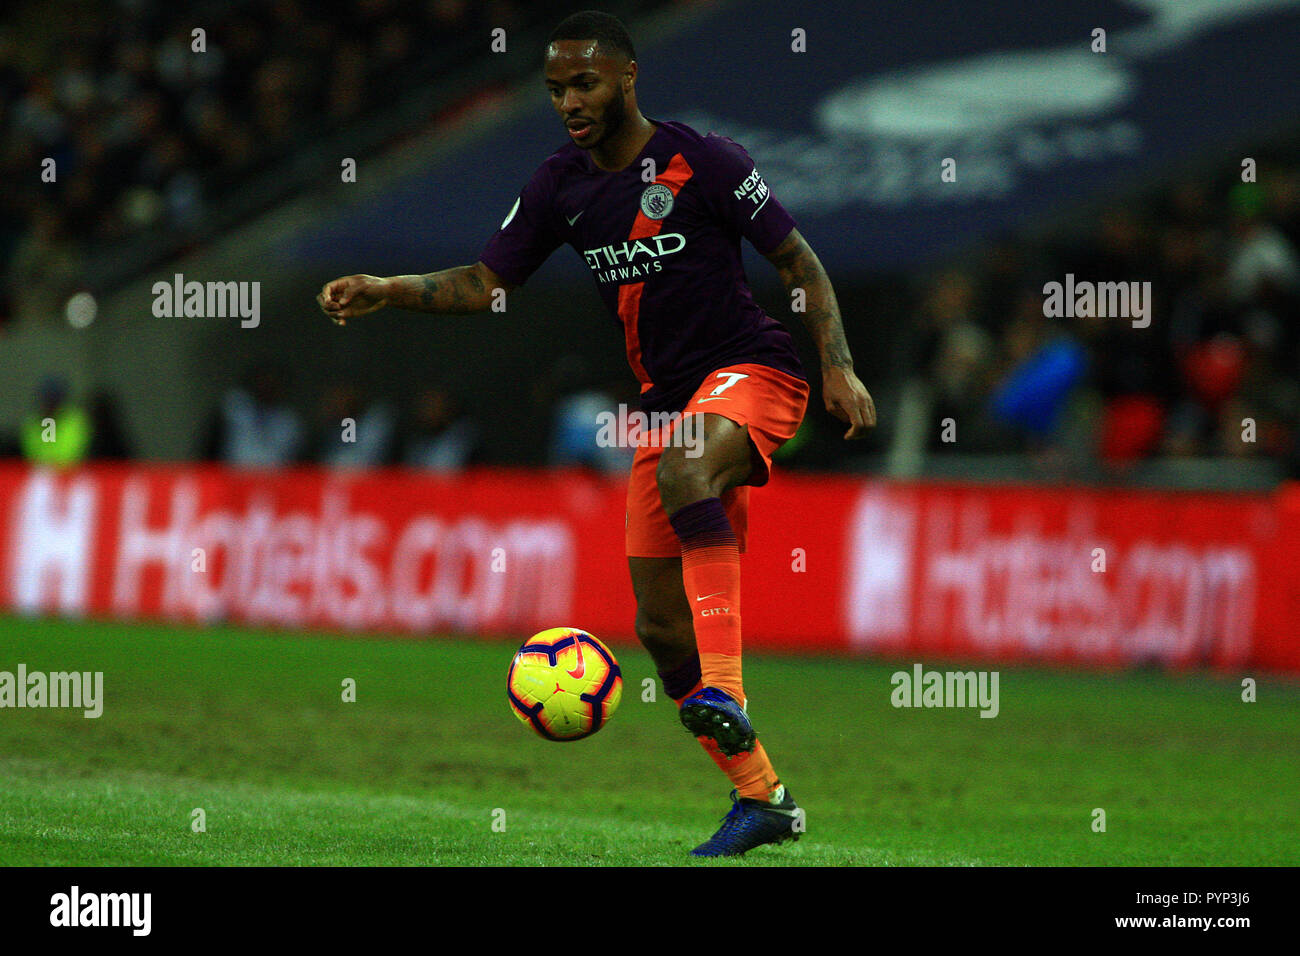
{"x": 735, "y": 823}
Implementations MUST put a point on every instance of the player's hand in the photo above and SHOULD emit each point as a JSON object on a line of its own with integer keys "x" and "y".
{"x": 351, "y": 296}
{"x": 847, "y": 399}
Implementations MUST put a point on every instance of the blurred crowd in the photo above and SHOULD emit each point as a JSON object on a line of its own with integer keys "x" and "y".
{"x": 255, "y": 425}
{"x": 1215, "y": 372}
{"x": 144, "y": 133}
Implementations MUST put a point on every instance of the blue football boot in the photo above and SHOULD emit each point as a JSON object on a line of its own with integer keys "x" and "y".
{"x": 715, "y": 714}
{"x": 750, "y": 823}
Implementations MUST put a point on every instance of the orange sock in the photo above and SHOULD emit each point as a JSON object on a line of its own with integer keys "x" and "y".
{"x": 751, "y": 774}
{"x": 712, "y": 578}
{"x": 711, "y": 574}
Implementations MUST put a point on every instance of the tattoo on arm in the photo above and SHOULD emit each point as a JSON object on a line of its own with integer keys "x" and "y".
{"x": 430, "y": 290}
{"x": 452, "y": 290}
{"x": 800, "y": 268}
{"x": 834, "y": 348}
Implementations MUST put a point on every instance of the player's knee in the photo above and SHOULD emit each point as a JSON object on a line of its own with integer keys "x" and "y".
{"x": 681, "y": 481}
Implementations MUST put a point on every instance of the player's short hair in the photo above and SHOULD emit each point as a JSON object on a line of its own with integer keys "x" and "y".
{"x": 606, "y": 29}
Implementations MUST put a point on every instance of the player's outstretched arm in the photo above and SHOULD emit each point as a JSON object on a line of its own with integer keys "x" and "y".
{"x": 462, "y": 289}
{"x": 846, "y": 397}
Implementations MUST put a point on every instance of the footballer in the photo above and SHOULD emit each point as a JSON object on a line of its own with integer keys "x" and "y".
{"x": 664, "y": 250}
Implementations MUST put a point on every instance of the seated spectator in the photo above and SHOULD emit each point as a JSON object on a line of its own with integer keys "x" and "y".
{"x": 579, "y": 420}
{"x": 353, "y": 433}
{"x": 58, "y": 432}
{"x": 439, "y": 436}
{"x": 254, "y": 427}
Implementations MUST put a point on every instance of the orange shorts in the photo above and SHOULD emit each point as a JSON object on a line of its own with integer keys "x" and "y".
{"x": 770, "y": 402}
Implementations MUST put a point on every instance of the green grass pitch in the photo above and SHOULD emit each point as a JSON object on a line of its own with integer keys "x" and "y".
{"x": 250, "y": 726}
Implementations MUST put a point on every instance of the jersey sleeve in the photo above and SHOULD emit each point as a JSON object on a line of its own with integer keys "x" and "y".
{"x": 742, "y": 198}
{"x": 527, "y": 236}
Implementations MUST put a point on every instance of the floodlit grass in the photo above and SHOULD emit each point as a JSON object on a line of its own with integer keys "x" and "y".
{"x": 251, "y": 728}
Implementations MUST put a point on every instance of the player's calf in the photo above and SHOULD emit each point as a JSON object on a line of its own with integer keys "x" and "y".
{"x": 669, "y": 642}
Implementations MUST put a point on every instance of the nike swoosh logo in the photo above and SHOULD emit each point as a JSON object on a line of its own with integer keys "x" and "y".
{"x": 707, "y": 596}
{"x": 575, "y": 218}
{"x": 718, "y": 398}
{"x": 581, "y": 669}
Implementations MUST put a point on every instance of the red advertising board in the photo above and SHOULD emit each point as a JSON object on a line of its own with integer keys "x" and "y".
{"x": 839, "y": 565}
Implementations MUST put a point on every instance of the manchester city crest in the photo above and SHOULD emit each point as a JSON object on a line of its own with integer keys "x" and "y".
{"x": 657, "y": 201}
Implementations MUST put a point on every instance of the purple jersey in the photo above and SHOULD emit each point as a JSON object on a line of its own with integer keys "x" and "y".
{"x": 665, "y": 254}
